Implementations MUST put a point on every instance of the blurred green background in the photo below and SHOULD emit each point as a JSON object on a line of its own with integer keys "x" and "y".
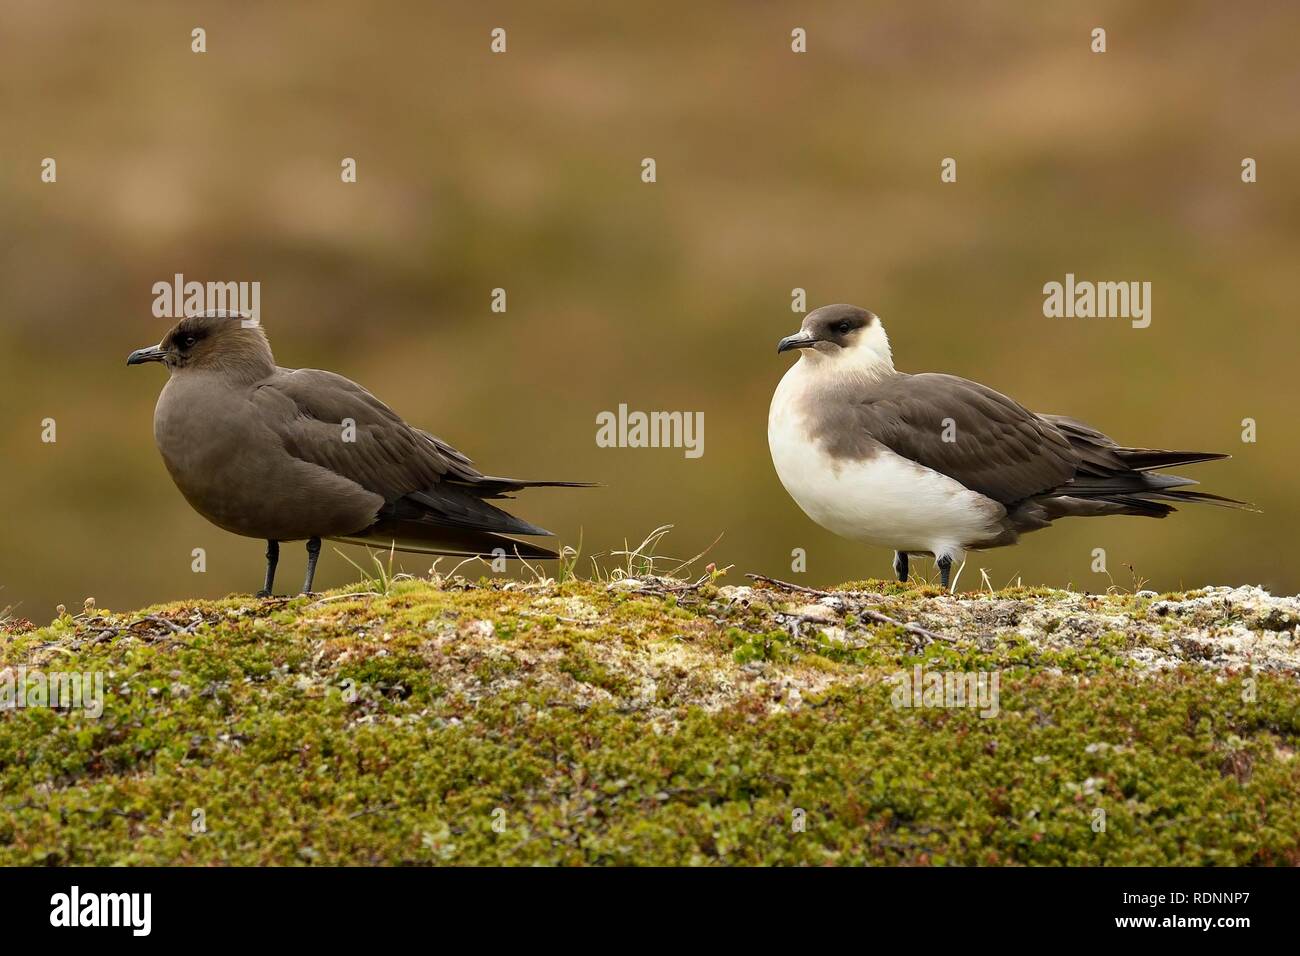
{"x": 775, "y": 171}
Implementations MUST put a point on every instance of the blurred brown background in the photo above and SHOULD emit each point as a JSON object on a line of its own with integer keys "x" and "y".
{"x": 522, "y": 171}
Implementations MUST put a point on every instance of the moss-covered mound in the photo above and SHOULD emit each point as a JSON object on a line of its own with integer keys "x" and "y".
{"x": 650, "y": 721}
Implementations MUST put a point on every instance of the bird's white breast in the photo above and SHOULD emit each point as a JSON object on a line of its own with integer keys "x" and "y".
{"x": 883, "y": 499}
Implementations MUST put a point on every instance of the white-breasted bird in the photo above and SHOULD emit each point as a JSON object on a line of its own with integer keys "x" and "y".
{"x": 937, "y": 465}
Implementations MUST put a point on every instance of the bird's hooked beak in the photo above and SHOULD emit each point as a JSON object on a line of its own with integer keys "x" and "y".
{"x": 800, "y": 340}
{"x": 154, "y": 353}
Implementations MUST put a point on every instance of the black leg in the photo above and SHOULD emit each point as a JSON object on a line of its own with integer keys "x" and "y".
{"x": 272, "y": 559}
{"x": 945, "y": 570}
{"x": 900, "y": 566}
{"x": 313, "y": 553}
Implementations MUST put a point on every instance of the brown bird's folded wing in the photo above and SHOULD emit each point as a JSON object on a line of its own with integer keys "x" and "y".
{"x": 429, "y": 488}
{"x": 1034, "y": 465}
{"x": 333, "y": 422}
{"x": 966, "y": 431}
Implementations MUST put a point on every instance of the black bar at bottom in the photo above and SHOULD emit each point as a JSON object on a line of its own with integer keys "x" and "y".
{"x": 943, "y": 906}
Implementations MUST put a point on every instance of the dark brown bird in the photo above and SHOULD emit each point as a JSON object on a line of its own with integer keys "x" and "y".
{"x": 301, "y": 454}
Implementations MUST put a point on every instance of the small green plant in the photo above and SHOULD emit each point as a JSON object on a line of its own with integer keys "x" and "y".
{"x": 640, "y": 561}
{"x": 382, "y": 580}
{"x": 6, "y": 614}
{"x": 644, "y": 561}
{"x": 569, "y": 557}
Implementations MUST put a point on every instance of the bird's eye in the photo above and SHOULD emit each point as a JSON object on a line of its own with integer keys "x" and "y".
{"x": 188, "y": 342}
{"x": 845, "y": 328}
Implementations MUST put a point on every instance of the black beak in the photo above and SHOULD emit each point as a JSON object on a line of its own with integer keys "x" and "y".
{"x": 800, "y": 340}
{"x": 153, "y": 353}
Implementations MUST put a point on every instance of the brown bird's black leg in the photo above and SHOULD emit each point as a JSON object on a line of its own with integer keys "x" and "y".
{"x": 900, "y": 566}
{"x": 272, "y": 559}
{"x": 945, "y": 570}
{"x": 313, "y": 553}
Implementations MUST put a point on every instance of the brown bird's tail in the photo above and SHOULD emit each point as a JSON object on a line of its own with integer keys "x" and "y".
{"x": 452, "y": 517}
{"x": 1148, "y": 459}
{"x": 489, "y": 486}
{"x": 419, "y": 537}
{"x": 1114, "y": 479}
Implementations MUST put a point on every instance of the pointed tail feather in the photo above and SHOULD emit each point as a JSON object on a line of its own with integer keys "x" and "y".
{"x": 422, "y": 538}
{"x": 489, "y": 486}
{"x": 1133, "y": 482}
{"x": 448, "y": 505}
{"x": 1145, "y": 504}
{"x": 1205, "y": 497}
{"x": 1145, "y": 459}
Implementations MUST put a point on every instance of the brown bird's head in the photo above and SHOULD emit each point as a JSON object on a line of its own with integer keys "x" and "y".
{"x": 844, "y": 339}
{"x": 212, "y": 341}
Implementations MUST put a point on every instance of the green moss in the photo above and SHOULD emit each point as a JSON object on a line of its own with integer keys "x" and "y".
{"x": 569, "y": 724}
{"x": 585, "y": 670}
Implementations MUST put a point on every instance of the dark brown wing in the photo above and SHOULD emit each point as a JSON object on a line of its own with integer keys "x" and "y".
{"x": 966, "y": 431}
{"x": 333, "y": 422}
